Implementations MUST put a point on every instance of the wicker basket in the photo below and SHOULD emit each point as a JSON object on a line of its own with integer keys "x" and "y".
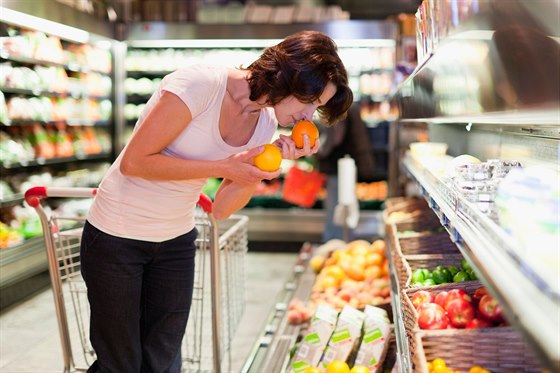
{"x": 422, "y": 250}
{"x": 426, "y": 244}
{"x": 410, "y": 317}
{"x": 499, "y": 349}
{"x": 411, "y": 207}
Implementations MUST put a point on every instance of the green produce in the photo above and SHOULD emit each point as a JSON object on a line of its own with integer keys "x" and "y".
{"x": 461, "y": 277}
{"x": 465, "y": 265}
{"x": 453, "y": 270}
{"x": 441, "y": 275}
{"x": 429, "y": 282}
{"x": 418, "y": 276}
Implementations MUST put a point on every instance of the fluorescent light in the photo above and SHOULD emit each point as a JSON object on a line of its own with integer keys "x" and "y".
{"x": 44, "y": 25}
{"x": 247, "y": 43}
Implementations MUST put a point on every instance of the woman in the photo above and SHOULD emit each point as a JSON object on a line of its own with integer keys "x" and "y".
{"x": 204, "y": 121}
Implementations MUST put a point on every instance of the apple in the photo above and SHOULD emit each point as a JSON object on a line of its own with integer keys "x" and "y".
{"x": 441, "y": 298}
{"x": 478, "y": 323}
{"x": 421, "y": 297}
{"x": 460, "y": 312}
{"x": 432, "y": 316}
{"x": 457, "y": 294}
{"x": 478, "y": 294}
{"x": 490, "y": 309}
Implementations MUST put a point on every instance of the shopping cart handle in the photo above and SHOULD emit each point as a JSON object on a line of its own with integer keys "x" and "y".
{"x": 205, "y": 203}
{"x": 33, "y": 195}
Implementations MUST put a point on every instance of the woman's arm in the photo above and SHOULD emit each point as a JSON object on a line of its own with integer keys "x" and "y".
{"x": 231, "y": 197}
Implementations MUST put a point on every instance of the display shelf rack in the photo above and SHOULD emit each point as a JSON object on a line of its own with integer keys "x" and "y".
{"x": 530, "y": 303}
{"x": 403, "y": 352}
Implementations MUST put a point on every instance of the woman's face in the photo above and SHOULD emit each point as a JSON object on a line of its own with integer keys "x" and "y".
{"x": 290, "y": 110}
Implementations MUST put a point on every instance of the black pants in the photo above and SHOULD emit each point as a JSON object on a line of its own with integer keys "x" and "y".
{"x": 140, "y": 294}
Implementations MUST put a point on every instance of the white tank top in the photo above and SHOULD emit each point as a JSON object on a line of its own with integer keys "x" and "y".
{"x": 154, "y": 210}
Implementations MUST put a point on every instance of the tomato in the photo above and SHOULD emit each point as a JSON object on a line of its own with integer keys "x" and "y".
{"x": 432, "y": 316}
{"x": 421, "y": 297}
{"x": 270, "y": 158}
{"x": 305, "y": 127}
{"x": 490, "y": 309}
{"x": 460, "y": 312}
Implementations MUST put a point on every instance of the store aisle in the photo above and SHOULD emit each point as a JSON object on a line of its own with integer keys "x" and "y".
{"x": 29, "y": 339}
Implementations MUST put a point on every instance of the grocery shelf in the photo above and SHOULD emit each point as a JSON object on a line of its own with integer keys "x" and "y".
{"x": 298, "y": 224}
{"x": 530, "y": 304}
{"x": 403, "y": 352}
{"x": 22, "y": 261}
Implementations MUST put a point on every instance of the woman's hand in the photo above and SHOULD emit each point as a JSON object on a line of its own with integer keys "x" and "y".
{"x": 240, "y": 168}
{"x": 290, "y": 151}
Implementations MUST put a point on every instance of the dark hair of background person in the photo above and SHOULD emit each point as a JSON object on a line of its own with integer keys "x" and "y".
{"x": 302, "y": 65}
{"x": 349, "y": 137}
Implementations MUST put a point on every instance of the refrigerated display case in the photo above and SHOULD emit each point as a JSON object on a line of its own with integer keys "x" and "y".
{"x": 488, "y": 86}
{"x": 57, "y": 123}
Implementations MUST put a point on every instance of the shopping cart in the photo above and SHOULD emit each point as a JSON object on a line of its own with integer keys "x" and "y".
{"x": 219, "y": 287}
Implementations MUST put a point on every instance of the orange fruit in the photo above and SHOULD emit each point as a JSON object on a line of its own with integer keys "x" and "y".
{"x": 305, "y": 127}
{"x": 338, "y": 366}
{"x": 270, "y": 159}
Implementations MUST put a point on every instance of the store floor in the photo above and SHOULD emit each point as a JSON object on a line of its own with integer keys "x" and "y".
{"x": 29, "y": 339}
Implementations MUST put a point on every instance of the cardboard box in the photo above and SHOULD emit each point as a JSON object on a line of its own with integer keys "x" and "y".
{"x": 375, "y": 340}
{"x": 316, "y": 339}
{"x": 346, "y": 336}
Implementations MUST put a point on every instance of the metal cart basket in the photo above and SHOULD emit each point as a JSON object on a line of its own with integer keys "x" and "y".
{"x": 219, "y": 286}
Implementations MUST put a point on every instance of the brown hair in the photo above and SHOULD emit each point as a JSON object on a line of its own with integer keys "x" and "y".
{"x": 301, "y": 65}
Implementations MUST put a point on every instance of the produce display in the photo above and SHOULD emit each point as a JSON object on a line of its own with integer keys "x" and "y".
{"x": 450, "y": 321}
{"x": 344, "y": 324}
{"x": 354, "y": 274}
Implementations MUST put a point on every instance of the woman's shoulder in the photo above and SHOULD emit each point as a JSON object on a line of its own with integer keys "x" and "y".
{"x": 200, "y": 70}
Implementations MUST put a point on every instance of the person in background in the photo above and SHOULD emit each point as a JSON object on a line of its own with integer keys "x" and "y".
{"x": 138, "y": 244}
{"x": 349, "y": 137}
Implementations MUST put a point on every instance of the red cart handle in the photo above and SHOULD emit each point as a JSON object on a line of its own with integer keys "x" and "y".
{"x": 205, "y": 203}
{"x": 34, "y": 195}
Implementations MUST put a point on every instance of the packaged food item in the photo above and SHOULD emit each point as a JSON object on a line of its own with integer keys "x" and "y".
{"x": 346, "y": 336}
{"x": 316, "y": 339}
{"x": 375, "y": 340}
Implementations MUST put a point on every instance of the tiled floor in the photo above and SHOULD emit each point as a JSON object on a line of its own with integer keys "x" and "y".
{"x": 29, "y": 340}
